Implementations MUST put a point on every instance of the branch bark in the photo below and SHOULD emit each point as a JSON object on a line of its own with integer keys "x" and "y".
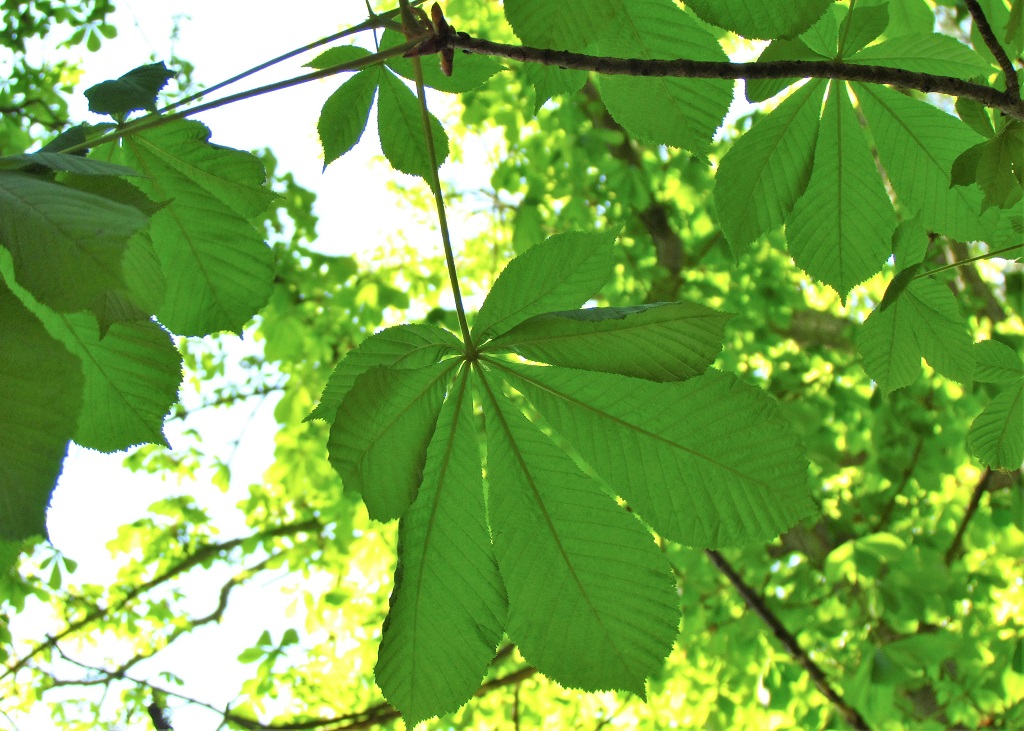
{"x": 1006, "y": 102}
{"x": 985, "y": 29}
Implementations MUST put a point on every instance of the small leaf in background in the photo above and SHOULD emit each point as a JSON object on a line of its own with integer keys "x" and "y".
{"x": 67, "y": 245}
{"x": 689, "y": 110}
{"x": 402, "y": 346}
{"x": 551, "y": 81}
{"x": 592, "y": 603}
{"x": 400, "y": 126}
{"x": 379, "y": 439}
{"x": 764, "y": 19}
{"x": 841, "y": 227}
{"x": 767, "y": 169}
{"x": 563, "y": 272}
{"x": 923, "y": 321}
{"x": 707, "y": 462}
{"x": 448, "y": 605}
{"x": 667, "y": 341}
{"x": 41, "y": 392}
{"x": 134, "y": 91}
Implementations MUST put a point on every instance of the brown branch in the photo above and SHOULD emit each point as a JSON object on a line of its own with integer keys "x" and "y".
{"x": 972, "y": 508}
{"x": 194, "y": 559}
{"x": 986, "y": 95}
{"x": 1012, "y": 83}
{"x": 756, "y": 603}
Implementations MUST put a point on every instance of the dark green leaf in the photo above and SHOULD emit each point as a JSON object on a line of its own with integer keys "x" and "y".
{"x": 136, "y": 90}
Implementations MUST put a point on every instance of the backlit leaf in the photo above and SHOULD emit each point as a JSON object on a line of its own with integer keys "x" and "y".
{"x": 762, "y": 19}
{"x": 400, "y": 127}
{"x": 997, "y": 363}
{"x": 929, "y": 53}
{"x": 997, "y": 435}
{"x": 135, "y": 90}
{"x": 344, "y": 114}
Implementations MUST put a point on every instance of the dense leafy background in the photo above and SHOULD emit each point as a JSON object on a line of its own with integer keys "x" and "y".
{"x": 776, "y": 296}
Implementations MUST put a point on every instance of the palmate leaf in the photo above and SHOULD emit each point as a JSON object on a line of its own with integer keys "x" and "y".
{"x": 667, "y": 341}
{"x": 762, "y": 19}
{"x": 448, "y": 607}
{"x": 922, "y": 320}
{"x": 218, "y": 269}
{"x": 767, "y": 169}
{"x": 469, "y": 72}
{"x": 67, "y": 245}
{"x": 688, "y": 111}
{"x": 344, "y": 114}
{"x": 135, "y": 90}
{"x": 41, "y": 392}
{"x": 592, "y": 602}
{"x": 996, "y": 436}
{"x": 929, "y": 53}
{"x": 841, "y": 227}
{"x": 400, "y": 127}
{"x": 758, "y": 90}
{"x": 379, "y": 438}
{"x": 707, "y": 462}
{"x": 572, "y": 25}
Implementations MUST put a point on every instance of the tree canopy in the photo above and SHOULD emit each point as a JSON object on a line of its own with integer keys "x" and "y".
{"x": 734, "y": 438}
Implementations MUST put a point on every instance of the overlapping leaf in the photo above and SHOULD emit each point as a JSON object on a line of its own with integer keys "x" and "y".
{"x": 840, "y": 229}
{"x": 930, "y": 53}
{"x": 344, "y": 114}
{"x": 41, "y": 393}
{"x": 762, "y": 19}
{"x": 400, "y": 126}
{"x": 996, "y": 436}
{"x": 921, "y": 320}
{"x": 218, "y": 269}
{"x": 688, "y": 110}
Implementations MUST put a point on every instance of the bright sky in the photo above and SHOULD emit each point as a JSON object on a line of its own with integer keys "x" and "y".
{"x": 95, "y": 494}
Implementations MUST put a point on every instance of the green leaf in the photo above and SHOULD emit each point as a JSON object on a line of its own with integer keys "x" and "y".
{"x": 570, "y": 25}
{"x": 923, "y": 321}
{"x": 763, "y": 19}
{"x": 64, "y": 162}
{"x": 997, "y": 165}
{"x": 344, "y": 114}
{"x": 136, "y": 90}
{"x": 218, "y": 269}
{"x": 666, "y": 341}
{"x": 927, "y": 53}
{"x": 707, "y": 462}
{"x": 41, "y": 393}
{"x": 688, "y": 110}
{"x": 562, "y": 272}
{"x": 909, "y": 17}
{"x": 403, "y": 346}
{"x": 379, "y": 439}
{"x": 909, "y": 243}
{"x": 337, "y": 56}
{"x": 758, "y": 90}
{"x": 766, "y": 170}
{"x": 996, "y": 436}
{"x": 469, "y": 71}
{"x": 549, "y": 81}
{"x": 823, "y": 36}
{"x": 67, "y": 245}
{"x": 997, "y": 363}
{"x": 841, "y": 228}
{"x": 448, "y": 606}
{"x": 570, "y": 555}
{"x": 861, "y": 26}
{"x": 917, "y": 145}
{"x": 400, "y": 127}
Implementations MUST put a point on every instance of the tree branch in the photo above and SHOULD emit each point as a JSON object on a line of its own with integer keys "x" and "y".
{"x": 1009, "y": 72}
{"x": 972, "y": 508}
{"x": 755, "y": 602}
{"x": 1004, "y": 101}
{"x": 194, "y": 559}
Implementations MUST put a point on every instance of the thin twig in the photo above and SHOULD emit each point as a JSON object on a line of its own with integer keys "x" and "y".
{"x": 979, "y": 257}
{"x": 1008, "y": 103}
{"x": 1009, "y": 72}
{"x": 972, "y": 508}
{"x": 755, "y": 602}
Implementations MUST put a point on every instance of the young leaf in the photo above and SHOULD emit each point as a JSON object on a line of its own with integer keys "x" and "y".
{"x": 591, "y": 599}
{"x": 666, "y": 341}
{"x": 448, "y": 606}
{"x": 767, "y": 169}
{"x": 928, "y": 53}
{"x": 996, "y": 436}
{"x": 764, "y": 19}
{"x": 400, "y": 128}
{"x": 41, "y": 393}
{"x": 841, "y": 228}
{"x": 917, "y": 145}
{"x": 403, "y": 346}
{"x": 707, "y": 462}
{"x": 379, "y": 439}
{"x": 344, "y": 114}
{"x": 996, "y": 165}
{"x": 563, "y": 272}
{"x": 219, "y": 271}
{"x": 688, "y": 110}
{"x": 67, "y": 245}
{"x": 997, "y": 363}
{"x": 136, "y": 90}
{"x": 923, "y": 321}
